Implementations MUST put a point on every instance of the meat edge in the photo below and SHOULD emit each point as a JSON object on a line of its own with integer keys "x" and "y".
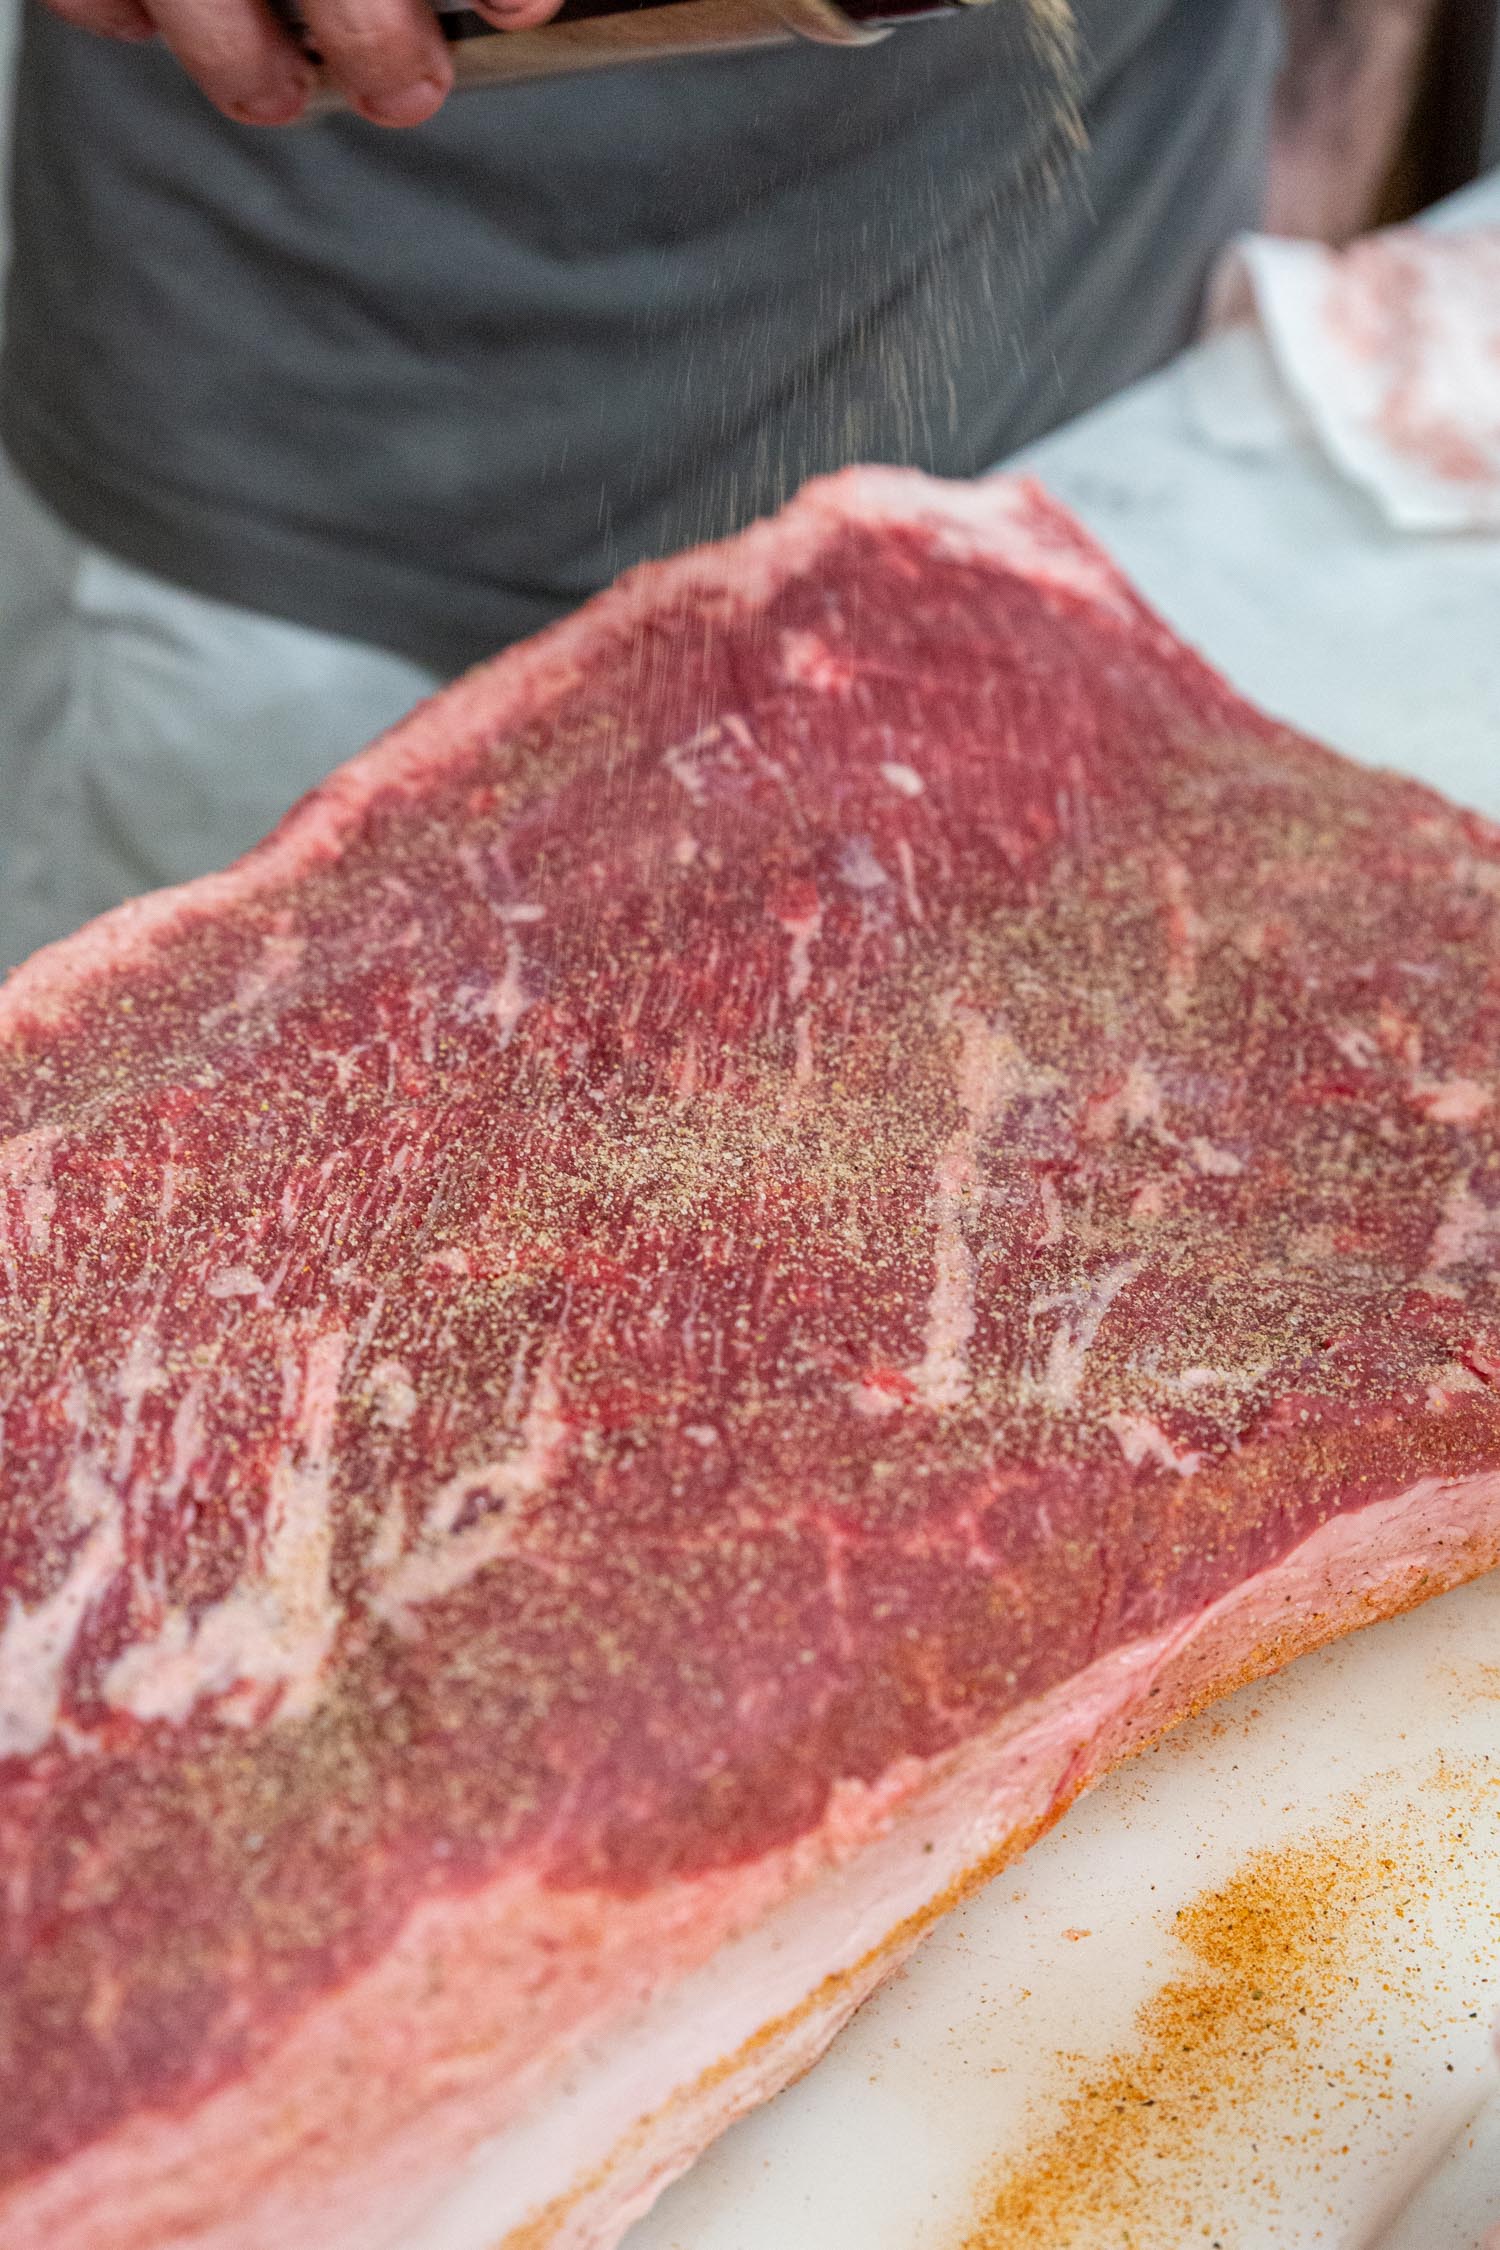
{"x": 652, "y": 2083}
{"x": 1360, "y": 1569}
{"x": 1005, "y": 520}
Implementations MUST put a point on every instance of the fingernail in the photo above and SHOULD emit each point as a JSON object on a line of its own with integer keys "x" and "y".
{"x": 275, "y": 105}
{"x": 404, "y": 105}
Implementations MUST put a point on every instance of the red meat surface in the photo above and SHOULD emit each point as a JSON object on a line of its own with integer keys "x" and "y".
{"x": 771, "y": 1183}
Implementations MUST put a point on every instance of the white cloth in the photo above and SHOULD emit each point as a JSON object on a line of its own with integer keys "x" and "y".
{"x": 1390, "y": 351}
{"x": 148, "y": 735}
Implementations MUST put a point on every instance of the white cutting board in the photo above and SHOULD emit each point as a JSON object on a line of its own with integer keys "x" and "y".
{"x": 1373, "y": 1770}
{"x": 1020, "y": 2047}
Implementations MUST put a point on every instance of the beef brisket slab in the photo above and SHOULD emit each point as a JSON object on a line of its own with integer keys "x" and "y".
{"x": 785, "y": 1223}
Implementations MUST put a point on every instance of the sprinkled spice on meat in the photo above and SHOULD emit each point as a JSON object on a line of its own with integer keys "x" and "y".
{"x": 756, "y": 1190}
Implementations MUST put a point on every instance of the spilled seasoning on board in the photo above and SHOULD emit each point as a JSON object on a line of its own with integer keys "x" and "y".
{"x": 1137, "y": 2158}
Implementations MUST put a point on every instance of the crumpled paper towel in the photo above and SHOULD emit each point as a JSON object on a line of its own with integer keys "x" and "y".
{"x": 1391, "y": 351}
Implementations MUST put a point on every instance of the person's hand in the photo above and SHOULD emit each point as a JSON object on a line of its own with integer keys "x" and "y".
{"x": 387, "y": 56}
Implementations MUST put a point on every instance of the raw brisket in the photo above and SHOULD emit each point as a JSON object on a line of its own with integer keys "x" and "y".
{"x": 789, "y": 1220}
